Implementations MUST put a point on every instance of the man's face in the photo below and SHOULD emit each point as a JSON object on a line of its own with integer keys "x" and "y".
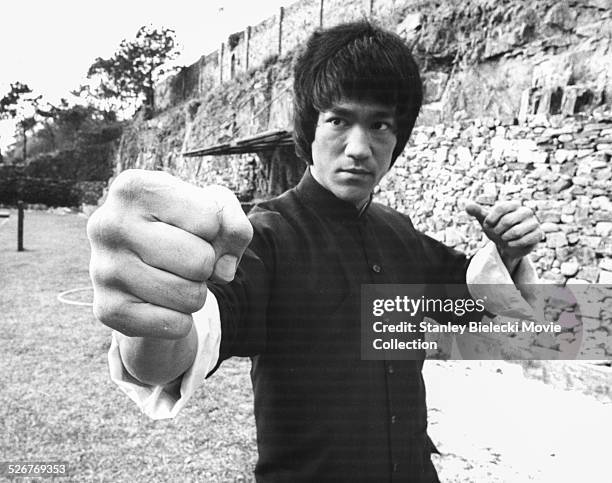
{"x": 352, "y": 148}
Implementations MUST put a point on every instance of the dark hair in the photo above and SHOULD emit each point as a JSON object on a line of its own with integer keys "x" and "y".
{"x": 357, "y": 61}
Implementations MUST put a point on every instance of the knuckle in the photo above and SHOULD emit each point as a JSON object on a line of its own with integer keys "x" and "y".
{"x": 196, "y": 298}
{"x": 110, "y": 228}
{"x": 105, "y": 272}
{"x": 127, "y": 184}
{"x": 110, "y": 310}
{"x": 240, "y": 232}
{"x": 203, "y": 270}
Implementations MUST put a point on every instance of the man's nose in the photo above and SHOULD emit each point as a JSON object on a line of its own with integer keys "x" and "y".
{"x": 358, "y": 143}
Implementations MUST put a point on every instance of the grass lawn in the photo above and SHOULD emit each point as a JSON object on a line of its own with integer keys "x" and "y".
{"x": 56, "y": 399}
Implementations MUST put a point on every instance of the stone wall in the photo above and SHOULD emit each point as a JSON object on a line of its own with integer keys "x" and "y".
{"x": 559, "y": 167}
{"x": 483, "y": 57}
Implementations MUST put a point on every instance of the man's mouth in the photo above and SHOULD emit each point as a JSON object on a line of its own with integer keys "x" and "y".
{"x": 356, "y": 171}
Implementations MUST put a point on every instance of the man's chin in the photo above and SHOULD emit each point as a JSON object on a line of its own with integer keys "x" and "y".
{"x": 351, "y": 194}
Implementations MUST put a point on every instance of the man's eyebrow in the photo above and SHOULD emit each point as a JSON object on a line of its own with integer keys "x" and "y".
{"x": 341, "y": 111}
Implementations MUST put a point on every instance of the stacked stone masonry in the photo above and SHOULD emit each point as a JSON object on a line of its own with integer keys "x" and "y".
{"x": 559, "y": 167}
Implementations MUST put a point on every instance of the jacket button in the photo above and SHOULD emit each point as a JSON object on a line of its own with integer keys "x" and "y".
{"x": 393, "y": 419}
{"x": 395, "y": 467}
{"x": 390, "y": 369}
{"x": 376, "y": 268}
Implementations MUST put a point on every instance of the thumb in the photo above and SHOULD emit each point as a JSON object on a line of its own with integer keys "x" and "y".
{"x": 474, "y": 209}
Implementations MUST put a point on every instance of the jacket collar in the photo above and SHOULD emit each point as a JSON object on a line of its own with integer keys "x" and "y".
{"x": 324, "y": 202}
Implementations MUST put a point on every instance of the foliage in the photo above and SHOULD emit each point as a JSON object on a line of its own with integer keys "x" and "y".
{"x": 15, "y": 186}
{"x": 32, "y": 184}
{"x": 11, "y": 104}
{"x": 76, "y": 142}
{"x": 20, "y": 105}
{"x": 130, "y": 74}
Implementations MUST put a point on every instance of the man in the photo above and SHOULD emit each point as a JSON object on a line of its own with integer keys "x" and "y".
{"x": 161, "y": 247}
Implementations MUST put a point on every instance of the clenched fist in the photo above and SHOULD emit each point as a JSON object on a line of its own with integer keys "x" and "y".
{"x": 155, "y": 243}
{"x": 513, "y": 228}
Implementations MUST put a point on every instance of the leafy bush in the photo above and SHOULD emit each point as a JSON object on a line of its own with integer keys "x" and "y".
{"x": 16, "y": 184}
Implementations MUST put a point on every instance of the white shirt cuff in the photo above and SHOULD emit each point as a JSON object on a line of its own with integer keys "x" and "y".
{"x": 488, "y": 279}
{"x": 162, "y": 402}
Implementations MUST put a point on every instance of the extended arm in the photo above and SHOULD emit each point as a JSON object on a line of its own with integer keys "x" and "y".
{"x": 156, "y": 242}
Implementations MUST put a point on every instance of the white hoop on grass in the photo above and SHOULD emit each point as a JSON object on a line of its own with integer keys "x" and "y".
{"x": 62, "y": 299}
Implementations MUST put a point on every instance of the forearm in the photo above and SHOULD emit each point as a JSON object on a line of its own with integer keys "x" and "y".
{"x": 511, "y": 262}
{"x": 157, "y": 361}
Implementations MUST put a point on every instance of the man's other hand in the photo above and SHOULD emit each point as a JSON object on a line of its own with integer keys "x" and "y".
{"x": 513, "y": 228}
{"x": 155, "y": 242}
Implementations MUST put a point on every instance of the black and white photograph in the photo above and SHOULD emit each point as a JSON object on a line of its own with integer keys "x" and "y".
{"x": 306, "y": 241}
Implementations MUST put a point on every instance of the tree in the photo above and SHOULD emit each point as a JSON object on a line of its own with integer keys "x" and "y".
{"x": 131, "y": 73}
{"x": 22, "y": 106}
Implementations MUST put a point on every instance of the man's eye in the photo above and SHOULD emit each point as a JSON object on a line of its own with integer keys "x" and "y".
{"x": 336, "y": 121}
{"x": 381, "y": 126}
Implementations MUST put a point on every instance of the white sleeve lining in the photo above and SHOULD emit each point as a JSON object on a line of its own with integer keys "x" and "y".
{"x": 162, "y": 402}
{"x": 488, "y": 279}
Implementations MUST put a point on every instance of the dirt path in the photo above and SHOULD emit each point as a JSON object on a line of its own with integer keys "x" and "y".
{"x": 494, "y": 425}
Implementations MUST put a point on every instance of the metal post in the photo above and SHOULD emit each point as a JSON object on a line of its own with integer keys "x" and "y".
{"x": 221, "y": 60}
{"x": 20, "y": 226}
{"x": 247, "y": 48}
{"x": 321, "y": 7}
{"x": 281, "y": 17}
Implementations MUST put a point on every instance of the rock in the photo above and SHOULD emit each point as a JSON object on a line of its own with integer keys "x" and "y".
{"x": 549, "y": 227}
{"x": 602, "y": 215}
{"x": 590, "y": 274}
{"x": 553, "y": 277}
{"x": 556, "y": 240}
{"x": 563, "y": 155}
{"x": 604, "y": 148}
{"x": 603, "y": 228}
{"x": 453, "y": 237}
{"x": 582, "y": 214}
{"x": 581, "y": 153}
{"x": 569, "y": 269}
{"x": 568, "y": 168}
{"x": 441, "y": 155}
{"x": 569, "y": 208}
{"x": 464, "y": 156}
{"x": 604, "y": 248}
{"x": 435, "y": 84}
{"x": 410, "y": 26}
{"x": 566, "y": 138}
{"x": 605, "y": 277}
{"x": 606, "y": 264}
{"x": 549, "y": 216}
{"x": 603, "y": 174}
{"x": 560, "y": 185}
{"x": 451, "y": 133}
{"x": 602, "y": 202}
{"x": 572, "y": 237}
{"x": 565, "y": 254}
{"x": 421, "y": 138}
{"x": 576, "y": 281}
{"x": 477, "y": 142}
{"x": 561, "y": 16}
{"x": 581, "y": 181}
